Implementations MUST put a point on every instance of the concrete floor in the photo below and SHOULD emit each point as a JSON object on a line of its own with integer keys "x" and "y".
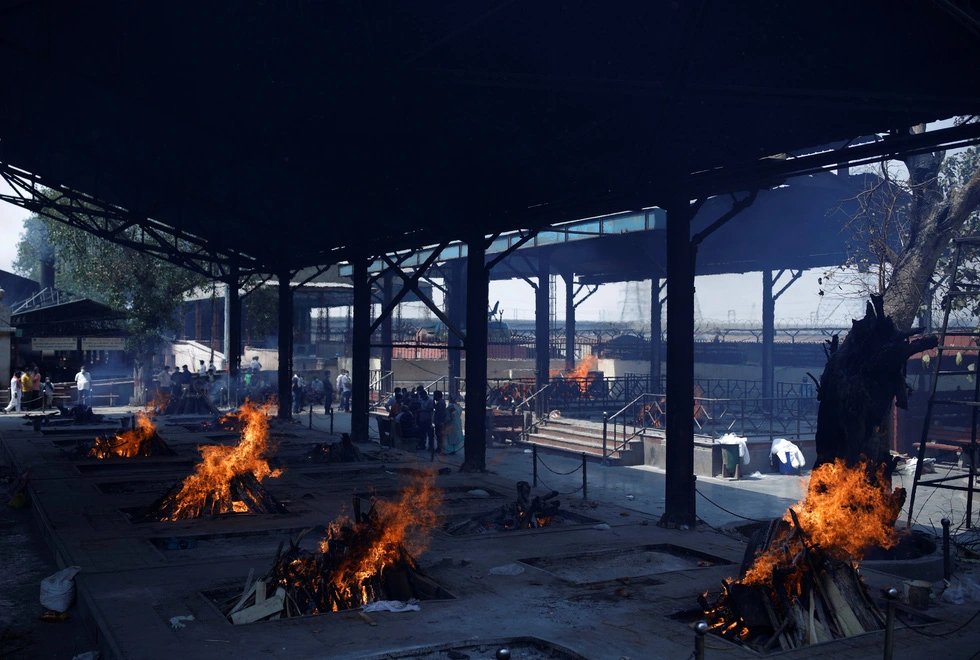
{"x": 136, "y": 577}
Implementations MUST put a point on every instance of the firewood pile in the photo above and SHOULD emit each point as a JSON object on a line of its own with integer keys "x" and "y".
{"x": 106, "y": 446}
{"x": 523, "y": 513}
{"x": 813, "y": 598}
{"x": 344, "y": 451}
{"x": 244, "y": 494}
{"x": 362, "y": 559}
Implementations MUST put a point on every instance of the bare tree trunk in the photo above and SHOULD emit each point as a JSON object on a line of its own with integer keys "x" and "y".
{"x": 934, "y": 220}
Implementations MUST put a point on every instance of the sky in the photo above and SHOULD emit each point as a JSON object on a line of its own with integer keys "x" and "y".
{"x": 727, "y": 299}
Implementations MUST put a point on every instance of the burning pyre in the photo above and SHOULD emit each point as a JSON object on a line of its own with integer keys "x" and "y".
{"x": 142, "y": 440}
{"x": 229, "y": 478}
{"x": 802, "y": 586}
{"x": 361, "y": 560}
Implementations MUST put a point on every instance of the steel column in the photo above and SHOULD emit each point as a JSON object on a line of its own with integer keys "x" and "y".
{"x": 768, "y": 333}
{"x": 656, "y": 332}
{"x": 455, "y": 311}
{"x": 360, "y": 351}
{"x": 386, "y": 350}
{"x": 477, "y": 294}
{"x": 285, "y": 345}
{"x": 569, "y": 277}
{"x": 233, "y": 336}
{"x": 679, "y": 504}
{"x": 542, "y": 331}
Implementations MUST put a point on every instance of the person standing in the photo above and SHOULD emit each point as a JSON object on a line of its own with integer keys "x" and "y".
{"x": 343, "y": 384}
{"x": 83, "y": 381}
{"x": 254, "y": 367}
{"x": 37, "y": 400}
{"x": 48, "y": 389}
{"x": 165, "y": 383}
{"x": 426, "y": 410}
{"x": 202, "y": 370}
{"x": 439, "y": 419}
{"x": 15, "y": 393}
{"x": 26, "y": 390}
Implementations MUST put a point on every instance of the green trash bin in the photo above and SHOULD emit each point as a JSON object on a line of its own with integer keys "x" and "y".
{"x": 730, "y": 460}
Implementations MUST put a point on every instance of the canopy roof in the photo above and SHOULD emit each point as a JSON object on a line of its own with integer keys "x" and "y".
{"x": 361, "y": 127}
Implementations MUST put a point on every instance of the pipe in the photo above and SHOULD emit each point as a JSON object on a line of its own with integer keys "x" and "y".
{"x": 585, "y": 483}
{"x": 534, "y": 459}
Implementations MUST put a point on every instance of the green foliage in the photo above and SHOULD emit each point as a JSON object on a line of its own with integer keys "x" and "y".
{"x": 148, "y": 290}
{"x": 261, "y": 308}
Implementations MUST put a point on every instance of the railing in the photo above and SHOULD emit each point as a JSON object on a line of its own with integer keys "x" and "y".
{"x": 770, "y": 417}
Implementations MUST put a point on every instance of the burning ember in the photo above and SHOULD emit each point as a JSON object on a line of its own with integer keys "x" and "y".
{"x": 524, "y": 513}
{"x": 229, "y": 479}
{"x": 360, "y": 561}
{"x": 344, "y": 451}
{"x": 802, "y": 586}
{"x": 139, "y": 441}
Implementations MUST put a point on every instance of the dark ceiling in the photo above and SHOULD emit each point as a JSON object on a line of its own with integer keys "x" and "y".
{"x": 298, "y": 133}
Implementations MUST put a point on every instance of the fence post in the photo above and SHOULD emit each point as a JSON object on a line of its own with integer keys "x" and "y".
{"x": 700, "y": 630}
{"x": 605, "y": 427}
{"x": 331, "y": 421}
{"x": 892, "y": 596}
{"x": 534, "y": 460}
{"x": 311, "y": 417}
{"x": 585, "y": 483}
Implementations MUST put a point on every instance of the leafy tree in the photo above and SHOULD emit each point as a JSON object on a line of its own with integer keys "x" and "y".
{"x": 148, "y": 290}
{"x": 906, "y": 220}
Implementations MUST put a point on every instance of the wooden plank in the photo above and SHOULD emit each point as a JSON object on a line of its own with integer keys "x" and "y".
{"x": 268, "y": 607}
{"x": 840, "y": 609}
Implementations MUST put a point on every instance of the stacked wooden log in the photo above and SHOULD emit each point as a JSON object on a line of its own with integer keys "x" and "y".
{"x": 244, "y": 488}
{"x": 523, "y": 513}
{"x": 811, "y": 597}
{"x": 303, "y": 582}
{"x": 106, "y": 446}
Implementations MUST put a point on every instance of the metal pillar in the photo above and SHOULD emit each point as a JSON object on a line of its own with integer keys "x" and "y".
{"x": 386, "y": 349}
{"x": 656, "y": 333}
{"x": 285, "y": 346}
{"x": 679, "y": 504}
{"x": 569, "y": 277}
{"x": 542, "y": 331}
{"x": 233, "y": 336}
{"x": 477, "y": 294}
{"x": 768, "y": 333}
{"x": 360, "y": 351}
{"x": 455, "y": 310}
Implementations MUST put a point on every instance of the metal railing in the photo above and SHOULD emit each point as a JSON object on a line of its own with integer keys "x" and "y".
{"x": 769, "y": 417}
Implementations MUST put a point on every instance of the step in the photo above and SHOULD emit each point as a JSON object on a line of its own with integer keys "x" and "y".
{"x": 589, "y": 446}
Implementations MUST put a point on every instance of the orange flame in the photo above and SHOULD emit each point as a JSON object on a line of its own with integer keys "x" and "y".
{"x": 134, "y": 442}
{"x": 845, "y": 512}
{"x": 212, "y": 478}
{"x": 580, "y": 373}
{"x": 402, "y": 527}
{"x": 158, "y": 403}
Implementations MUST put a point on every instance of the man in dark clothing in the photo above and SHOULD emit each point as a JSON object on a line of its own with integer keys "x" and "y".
{"x": 409, "y": 428}
{"x": 438, "y": 418}
{"x": 426, "y": 408}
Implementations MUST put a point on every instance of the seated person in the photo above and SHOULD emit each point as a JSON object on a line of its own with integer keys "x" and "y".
{"x": 408, "y": 428}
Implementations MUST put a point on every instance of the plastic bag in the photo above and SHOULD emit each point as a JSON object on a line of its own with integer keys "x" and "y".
{"x": 962, "y": 591}
{"x": 58, "y": 590}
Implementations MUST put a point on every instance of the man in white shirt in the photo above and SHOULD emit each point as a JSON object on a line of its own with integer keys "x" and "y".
{"x": 83, "y": 380}
{"x": 15, "y": 393}
{"x": 343, "y": 386}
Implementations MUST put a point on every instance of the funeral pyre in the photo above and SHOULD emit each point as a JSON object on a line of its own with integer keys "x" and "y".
{"x": 799, "y": 582}
{"x": 141, "y": 440}
{"x": 363, "y": 559}
{"x": 525, "y": 512}
{"x": 228, "y": 480}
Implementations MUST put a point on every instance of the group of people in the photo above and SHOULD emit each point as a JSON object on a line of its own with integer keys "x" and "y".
{"x": 28, "y": 392}
{"x": 432, "y": 422}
